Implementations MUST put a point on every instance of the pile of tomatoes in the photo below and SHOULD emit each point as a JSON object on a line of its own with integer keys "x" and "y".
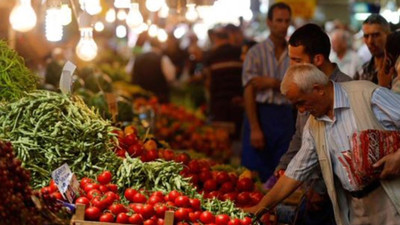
{"x": 103, "y": 203}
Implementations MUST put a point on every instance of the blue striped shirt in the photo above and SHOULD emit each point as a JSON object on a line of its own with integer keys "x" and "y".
{"x": 261, "y": 61}
{"x": 385, "y": 106}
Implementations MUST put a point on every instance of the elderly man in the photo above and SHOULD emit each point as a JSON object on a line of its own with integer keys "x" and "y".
{"x": 375, "y": 29}
{"x": 337, "y": 111}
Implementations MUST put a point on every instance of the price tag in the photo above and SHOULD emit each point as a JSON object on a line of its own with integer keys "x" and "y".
{"x": 66, "y": 77}
{"x": 111, "y": 100}
{"x": 66, "y": 182}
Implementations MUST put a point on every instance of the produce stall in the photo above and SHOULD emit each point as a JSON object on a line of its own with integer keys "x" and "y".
{"x": 119, "y": 170}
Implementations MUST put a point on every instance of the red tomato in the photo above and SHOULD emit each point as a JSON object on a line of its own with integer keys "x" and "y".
{"x": 222, "y": 219}
{"x": 194, "y": 166}
{"x": 107, "y": 217}
{"x": 214, "y": 194}
{"x": 245, "y": 184}
{"x": 147, "y": 211}
{"x": 181, "y": 214}
{"x": 112, "y": 187}
{"x": 207, "y": 217}
{"x": 182, "y": 201}
{"x": 117, "y": 208}
{"x": 103, "y": 188}
{"x": 205, "y": 175}
{"x": 85, "y": 181}
{"x": 136, "y": 219}
{"x": 110, "y": 197}
{"x": 83, "y": 200}
{"x": 57, "y": 195}
{"x": 152, "y": 154}
{"x": 93, "y": 193}
{"x": 182, "y": 223}
{"x": 53, "y": 186}
{"x": 182, "y": 158}
{"x": 139, "y": 198}
{"x": 149, "y": 222}
{"x": 231, "y": 196}
{"x": 158, "y": 193}
{"x": 91, "y": 186}
{"x": 154, "y": 199}
{"x": 135, "y": 150}
{"x": 227, "y": 187}
{"x": 160, "y": 210}
{"x": 222, "y": 177}
{"x": 210, "y": 185}
{"x": 194, "y": 216}
{"x": 243, "y": 198}
{"x": 45, "y": 190}
{"x": 256, "y": 197}
{"x": 92, "y": 213}
{"x": 173, "y": 195}
{"x": 137, "y": 207}
{"x": 235, "y": 222}
{"x": 195, "y": 204}
{"x": 99, "y": 203}
{"x": 121, "y": 152}
{"x": 105, "y": 177}
{"x": 130, "y": 139}
{"x": 129, "y": 193}
{"x": 122, "y": 218}
{"x": 169, "y": 155}
{"x": 160, "y": 221}
{"x": 246, "y": 221}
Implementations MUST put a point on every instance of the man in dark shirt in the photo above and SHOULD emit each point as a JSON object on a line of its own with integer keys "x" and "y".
{"x": 375, "y": 29}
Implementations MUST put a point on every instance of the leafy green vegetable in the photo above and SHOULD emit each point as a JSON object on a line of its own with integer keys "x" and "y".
{"x": 15, "y": 77}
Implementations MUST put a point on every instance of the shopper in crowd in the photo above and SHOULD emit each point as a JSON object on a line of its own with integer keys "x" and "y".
{"x": 375, "y": 29}
{"x": 223, "y": 69}
{"x": 342, "y": 54}
{"x": 154, "y": 71}
{"x": 337, "y": 111}
{"x": 269, "y": 123}
{"x": 389, "y": 71}
{"x": 236, "y": 37}
{"x": 310, "y": 44}
{"x": 175, "y": 53}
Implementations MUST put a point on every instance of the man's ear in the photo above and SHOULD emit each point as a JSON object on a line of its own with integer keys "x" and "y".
{"x": 319, "y": 89}
{"x": 318, "y": 60}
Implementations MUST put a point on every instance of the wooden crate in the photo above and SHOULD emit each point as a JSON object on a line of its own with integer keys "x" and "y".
{"x": 79, "y": 218}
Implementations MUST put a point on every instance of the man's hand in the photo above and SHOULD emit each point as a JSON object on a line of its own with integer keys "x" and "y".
{"x": 257, "y": 138}
{"x": 261, "y": 83}
{"x": 391, "y": 165}
{"x": 254, "y": 209}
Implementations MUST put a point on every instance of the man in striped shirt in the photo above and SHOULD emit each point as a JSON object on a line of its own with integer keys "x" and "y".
{"x": 334, "y": 106}
{"x": 269, "y": 124}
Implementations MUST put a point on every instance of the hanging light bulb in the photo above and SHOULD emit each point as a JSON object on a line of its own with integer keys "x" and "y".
{"x": 162, "y": 35}
{"x": 66, "y": 17}
{"x": 120, "y": 31}
{"x": 164, "y": 11}
{"x": 191, "y": 13}
{"x": 86, "y": 48}
{"x": 134, "y": 18}
{"x": 23, "y": 17}
{"x": 153, "y": 30}
{"x": 110, "y": 15}
{"x": 99, "y": 26}
{"x": 121, "y": 14}
{"x": 53, "y": 26}
{"x": 122, "y": 4}
{"x": 92, "y": 7}
{"x": 154, "y": 5}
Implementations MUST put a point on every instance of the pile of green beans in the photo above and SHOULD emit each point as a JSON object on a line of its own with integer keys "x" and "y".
{"x": 48, "y": 129}
{"x": 15, "y": 77}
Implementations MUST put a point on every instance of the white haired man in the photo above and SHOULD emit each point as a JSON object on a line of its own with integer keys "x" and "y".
{"x": 337, "y": 111}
